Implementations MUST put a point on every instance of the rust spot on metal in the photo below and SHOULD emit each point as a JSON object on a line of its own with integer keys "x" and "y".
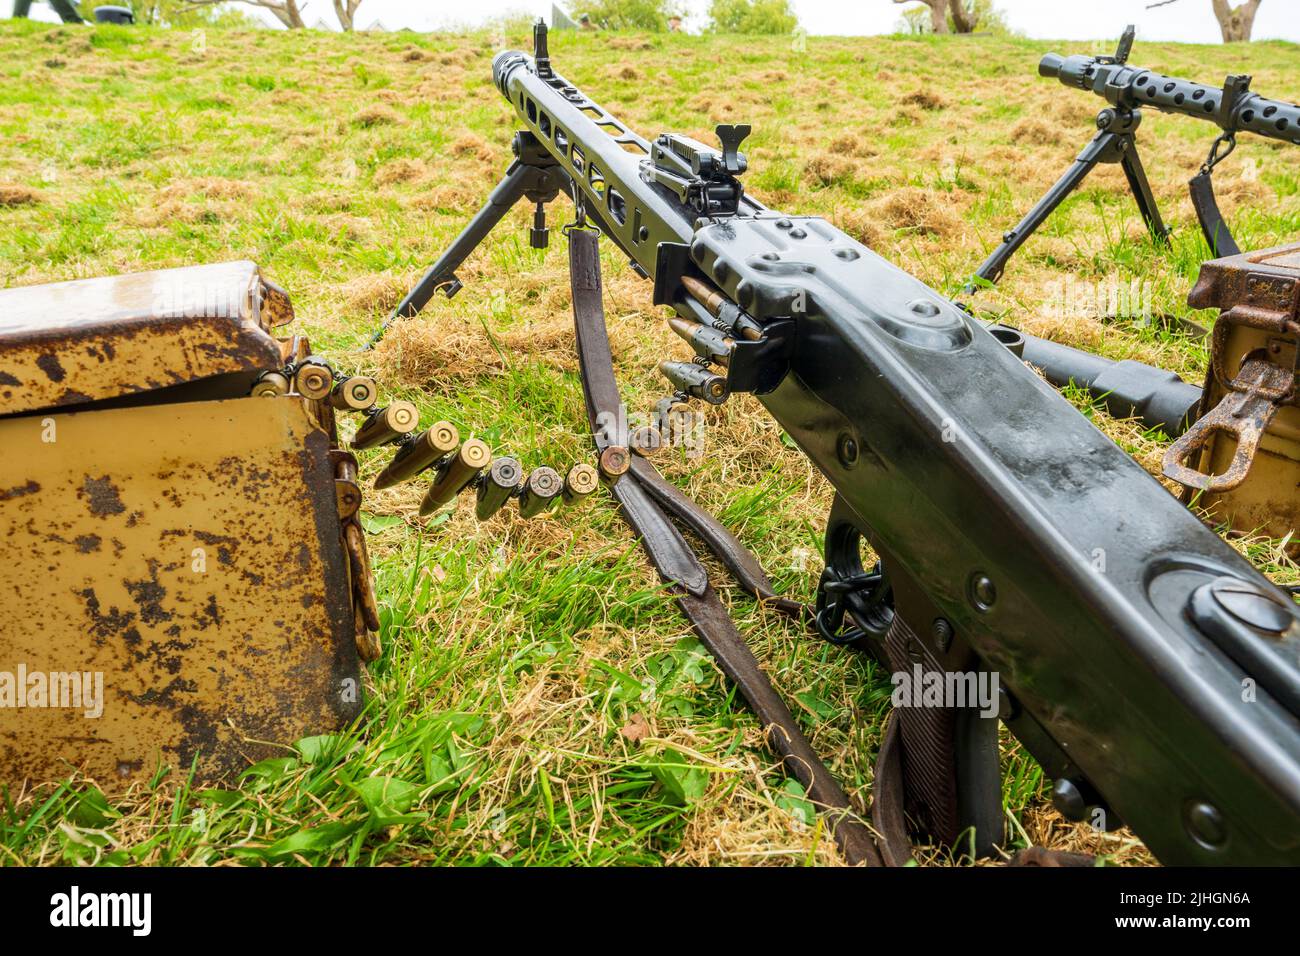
{"x": 148, "y": 596}
{"x": 87, "y": 543}
{"x": 115, "y": 623}
{"x": 50, "y": 365}
{"x": 30, "y": 488}
{"x": 103, "y": 496}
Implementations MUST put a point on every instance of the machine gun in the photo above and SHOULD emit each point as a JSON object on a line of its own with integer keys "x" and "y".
{"x": 1232, "y": 107}
{"x": 1150, "y": 670}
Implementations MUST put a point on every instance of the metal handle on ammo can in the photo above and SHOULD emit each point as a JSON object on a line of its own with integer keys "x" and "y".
{"x": 457, "y": 472}
{"x": 418, "y": 453}
{"x": 386, "y": 425}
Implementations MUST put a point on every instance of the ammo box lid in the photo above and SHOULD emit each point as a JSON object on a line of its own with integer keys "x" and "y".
{"x": 1267, "y": 279}
{"x": 68, "y": 343}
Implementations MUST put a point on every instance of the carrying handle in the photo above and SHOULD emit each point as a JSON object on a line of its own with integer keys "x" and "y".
{"x": 1244, "y": 413}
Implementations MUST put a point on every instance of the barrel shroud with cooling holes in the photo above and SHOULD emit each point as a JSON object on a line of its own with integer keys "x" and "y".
{"x": 1231, "y": 106}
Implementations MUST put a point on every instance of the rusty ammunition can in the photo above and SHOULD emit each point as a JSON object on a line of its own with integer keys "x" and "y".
{"x": 458, "y": 471}
{"x": 198, "y": 603}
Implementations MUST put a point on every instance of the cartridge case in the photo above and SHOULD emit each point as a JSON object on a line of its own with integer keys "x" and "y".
{"x": 418, "y": 453}
{"x": 457, "y": 472}
{"x": 696, "y": 381}
{"x": 646, "y": 441}
{"x": 270, "y": 385}
{"x": 313, "y": 379}
{"x": 614, "y": 462}
{"x": 497, "y": 486}
{"x": 706, "y": 341}
{"x": 354, "y": 394}
{"x": 541, "y": 489}
{"x": 385, "y": 425}
{"x": 581, "y": 481}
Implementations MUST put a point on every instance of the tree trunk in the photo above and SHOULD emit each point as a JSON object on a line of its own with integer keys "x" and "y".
{"x": 286, "y": 11}
{"x": 963, "y": 20}
{"x": 346, "y": 11}
{"x": 938, "y": 14}
{"x": 1236, "y": 25}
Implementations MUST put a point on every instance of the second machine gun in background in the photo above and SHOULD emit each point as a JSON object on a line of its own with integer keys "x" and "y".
{"x": 1014, "y": 537}
{"x": 1232, "y": 107}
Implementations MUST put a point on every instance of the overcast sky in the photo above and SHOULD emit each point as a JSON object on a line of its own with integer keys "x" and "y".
{"x": 1186, "y": 20}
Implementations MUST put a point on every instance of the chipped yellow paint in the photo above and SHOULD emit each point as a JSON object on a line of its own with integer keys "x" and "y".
{"x": 69, "y": 343}
{"x": 191, "y": 554}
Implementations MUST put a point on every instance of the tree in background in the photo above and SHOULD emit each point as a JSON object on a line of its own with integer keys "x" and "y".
{"x": 286, "y": 11}
{"x": 953, "y": 16}
{"x": 964, "y": 14}
{"x": 181, "y": 14}
{"x": 650, "y": 16}
{"x": 752, "y": 16}
{"x": 1235, "y": 23}
{"x": 346, "y": 11}
{"x": 938, "y": 16}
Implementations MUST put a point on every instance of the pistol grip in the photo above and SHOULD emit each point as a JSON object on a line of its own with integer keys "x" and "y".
{"x": 951, "y": 772}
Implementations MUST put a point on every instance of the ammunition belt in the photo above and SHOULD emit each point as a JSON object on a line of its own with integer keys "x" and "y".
{"x": 457, "y": 466}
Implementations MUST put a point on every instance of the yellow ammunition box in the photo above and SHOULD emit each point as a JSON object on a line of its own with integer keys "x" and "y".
{"x": 179, "y": 581}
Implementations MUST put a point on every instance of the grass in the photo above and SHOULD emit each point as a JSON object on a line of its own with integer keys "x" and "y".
{"x": 541, "y": 700}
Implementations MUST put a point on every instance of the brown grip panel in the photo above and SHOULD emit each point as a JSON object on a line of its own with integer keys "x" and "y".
{"x": 929, "y": 754}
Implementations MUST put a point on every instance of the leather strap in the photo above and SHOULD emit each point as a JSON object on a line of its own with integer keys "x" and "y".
{"x": 888, "y": 796}
{"x": 642, "y": 500}
{"x": 1216, "y": 230}
{"x": 738, "y": 559}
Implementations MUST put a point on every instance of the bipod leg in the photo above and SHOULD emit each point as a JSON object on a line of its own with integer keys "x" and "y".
{"x": 520, "y": 179}
{"x": 1137, "y": 181}
{"x": 1098, "y": 150}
